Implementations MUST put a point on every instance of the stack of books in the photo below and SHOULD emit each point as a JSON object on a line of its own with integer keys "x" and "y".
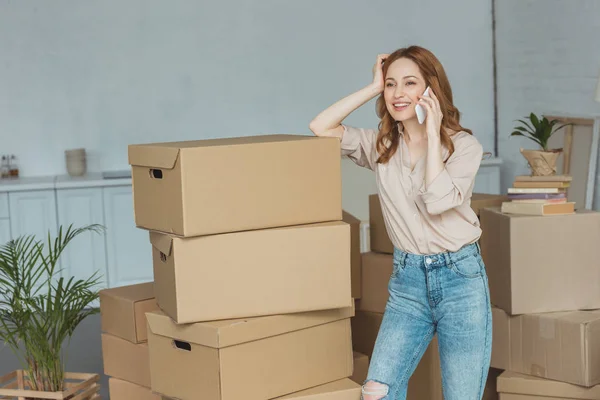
{"x": 539, "y": 195}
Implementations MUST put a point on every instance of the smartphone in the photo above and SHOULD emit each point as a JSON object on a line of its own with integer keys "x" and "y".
{"x": 421, "y": 113}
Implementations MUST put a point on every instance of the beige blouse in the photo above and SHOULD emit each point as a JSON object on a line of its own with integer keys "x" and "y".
{"x": 419, "y": 220}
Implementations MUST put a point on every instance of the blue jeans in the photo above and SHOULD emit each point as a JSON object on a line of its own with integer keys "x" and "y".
{"x": 446, "y": 294}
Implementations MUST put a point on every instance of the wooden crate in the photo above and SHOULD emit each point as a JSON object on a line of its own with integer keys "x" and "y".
{"x": 79, "y": 386}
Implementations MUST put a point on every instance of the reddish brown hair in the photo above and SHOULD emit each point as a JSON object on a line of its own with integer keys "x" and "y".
{"x": 435, "y": 77}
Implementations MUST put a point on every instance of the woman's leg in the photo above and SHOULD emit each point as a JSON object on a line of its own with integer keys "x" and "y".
{"x": 464, "y": 325}
{"x": 405, "y": 333}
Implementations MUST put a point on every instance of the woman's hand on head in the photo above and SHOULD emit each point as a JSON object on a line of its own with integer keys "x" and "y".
{"x": 378, "y": 78}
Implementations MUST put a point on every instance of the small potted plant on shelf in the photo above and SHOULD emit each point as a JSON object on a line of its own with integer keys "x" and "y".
{"x": 39, "y": 311}
{"x": 543, "y": 160}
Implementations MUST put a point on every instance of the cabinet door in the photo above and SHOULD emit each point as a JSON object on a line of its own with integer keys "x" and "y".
{"x": 129, "y": 252}
{"x": 33, "y": 213}
{"x": 4, "y": 231}
{"x": 86, "y": 254}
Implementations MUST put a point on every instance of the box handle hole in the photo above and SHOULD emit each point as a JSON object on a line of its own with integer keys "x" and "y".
{"x": 156, "y": 173}
{"x": 163, "y": 257}
{"x": 182, "y": 345}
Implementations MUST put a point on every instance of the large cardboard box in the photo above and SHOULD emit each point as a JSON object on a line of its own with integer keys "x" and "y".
{"x": 253, "y": 273}
{"x": 251, "y": 358}
{"x": 361, "y": 367}
{"x": 480, "y": 201}
{"x": 125, "y": 360}
{"x": 426, "y": 382}
{"x": 355, "y": 254}
{"x": 122, "y": 310}
{"x": 379, "y": 238}
{"x": 515, "y": 386}
{"x": 561, "y": 346}
{"x": 542, "y": 263}
{"x": 215, "y": 186}
{"x": 376, "y": 272}
{"x": 123, "y": 390}
{"x": 343, "y": 389}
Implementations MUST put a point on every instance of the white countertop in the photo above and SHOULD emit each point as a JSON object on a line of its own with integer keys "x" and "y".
{"x": 96, "y": 179}
{"x": 60, "y": 182}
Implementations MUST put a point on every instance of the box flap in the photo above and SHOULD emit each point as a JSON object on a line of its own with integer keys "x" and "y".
{"x": 512, "y": 382}
{"x": 163, "y": 242}
{"x": 219, "y": 334}
{"x": 345, "y": 386}
{"x": 153, "y": 155}
{"x": 349, "y": 218}
{"x": 131, "y": 293}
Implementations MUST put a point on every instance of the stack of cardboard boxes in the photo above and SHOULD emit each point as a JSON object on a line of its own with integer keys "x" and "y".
{"x": 124, "y": 340}
{"x": 253, "y": 289}
{"x": 426, "y": 382}
{"x": 544, "y": 281}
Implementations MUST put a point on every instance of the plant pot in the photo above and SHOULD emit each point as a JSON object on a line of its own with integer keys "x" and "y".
{"x": 15, "y": 385}
{"x": 542, "y": 163}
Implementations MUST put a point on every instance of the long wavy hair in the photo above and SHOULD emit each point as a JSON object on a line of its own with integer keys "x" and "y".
{"x": 433, "y": 72}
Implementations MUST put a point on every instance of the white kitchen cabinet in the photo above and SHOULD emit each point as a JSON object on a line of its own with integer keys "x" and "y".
{"x": 86, "y": 254}
{"x": 128, "y": 248}
{"x": 4, "y": 231}
{"x": 33, "y": 212}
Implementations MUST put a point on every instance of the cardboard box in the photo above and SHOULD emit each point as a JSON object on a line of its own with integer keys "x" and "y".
{"x": 491, "y": 391}
{"x": 426, "y": 382}
{"x": 480, "y": 201}
{"x": 122, "y": 310}
{"x": 542, "y": 263}
{"x": 215, "y": 186}
{"x": 253, "y": 273}
{"x": 361, "y": 367}
{"x": 500, "y": 339}
{"x": 561, "y": 346}
{"x": 343, "y": 389}
{"x": 251, "y": 358}
{"x": 355, "y": 254}
{"x": 514, "y": 386}
{"x": 376, "y": 272}
{"x": 380, "y": 240}
{"x": 122, "y": 390}
{"x": 125, "y": 360}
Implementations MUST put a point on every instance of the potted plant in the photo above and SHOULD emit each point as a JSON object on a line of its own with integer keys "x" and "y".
{"x": 543, "y": 160}
{"x": 39, "y": 311}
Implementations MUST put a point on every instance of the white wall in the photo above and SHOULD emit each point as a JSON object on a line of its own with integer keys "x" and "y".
{"x": 548, "y": 55}
{"x": 104, "y": 74}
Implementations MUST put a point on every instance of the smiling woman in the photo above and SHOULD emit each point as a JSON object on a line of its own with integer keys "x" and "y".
{"x": 425, "y": 173}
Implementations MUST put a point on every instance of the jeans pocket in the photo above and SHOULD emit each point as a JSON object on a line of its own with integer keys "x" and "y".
{"x": 468, "y": 267}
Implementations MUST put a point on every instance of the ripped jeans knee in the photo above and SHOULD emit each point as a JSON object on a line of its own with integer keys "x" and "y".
{"x": 373, "y": 390}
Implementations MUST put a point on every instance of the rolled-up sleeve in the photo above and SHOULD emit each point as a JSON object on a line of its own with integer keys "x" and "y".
{"x": 359, "y": 145}
{"x": 450, "y": 188}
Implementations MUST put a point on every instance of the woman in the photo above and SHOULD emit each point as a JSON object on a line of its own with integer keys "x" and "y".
{"x": 425, "y": 175}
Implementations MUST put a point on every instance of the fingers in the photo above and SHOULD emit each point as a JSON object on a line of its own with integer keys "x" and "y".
{"x": 381, "y": 58}
{"x": 432, "y": 100}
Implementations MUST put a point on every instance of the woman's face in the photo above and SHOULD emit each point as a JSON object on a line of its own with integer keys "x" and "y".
{"x": 403, "y": 83}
